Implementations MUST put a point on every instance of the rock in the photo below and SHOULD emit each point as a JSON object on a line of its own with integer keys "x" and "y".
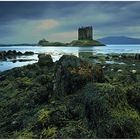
{"x": 134, "y": 71}
{"x": 119, "y": 70}
{"x": 137, "y": 56}
{"x": 45, "y": 60}
{"x": 19, "y": 53}
{"x": 12, "y": 54}
{"x": 28, "y": 53}
{"x": 133, "y": 64}
{"x": 107, "y": 57}
{"x": 71, "y": 73}
{"x": 14, "y": 61}
{"x": 103, "y": 67}
{"x": 98, "y": 74}
{"x": 14, "y": 122}
{"x": 2, "y": 55}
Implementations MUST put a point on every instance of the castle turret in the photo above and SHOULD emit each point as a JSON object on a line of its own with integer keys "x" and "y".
{"x": 85, "y": 33}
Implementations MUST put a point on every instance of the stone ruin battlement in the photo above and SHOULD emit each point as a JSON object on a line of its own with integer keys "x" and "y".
{"x": 85, "y": 33}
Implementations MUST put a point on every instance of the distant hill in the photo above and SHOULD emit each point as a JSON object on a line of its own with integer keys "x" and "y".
{"x": 119, "y": 40}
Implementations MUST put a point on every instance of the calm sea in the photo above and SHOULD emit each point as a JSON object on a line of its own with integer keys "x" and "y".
{"x": 57, "y": 52}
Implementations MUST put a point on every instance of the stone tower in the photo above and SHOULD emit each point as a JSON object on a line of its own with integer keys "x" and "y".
{"x": 85, "y": 33}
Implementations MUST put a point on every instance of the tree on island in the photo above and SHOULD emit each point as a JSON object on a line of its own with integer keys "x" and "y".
{"x": 43, "y": 42}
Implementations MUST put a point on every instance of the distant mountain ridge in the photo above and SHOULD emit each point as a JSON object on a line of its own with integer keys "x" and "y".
{"x": 119, "y": 40}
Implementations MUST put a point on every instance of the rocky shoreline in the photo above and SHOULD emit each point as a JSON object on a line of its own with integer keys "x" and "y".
{"x": 4, "y": 55}
{"x": 73, "y": 97}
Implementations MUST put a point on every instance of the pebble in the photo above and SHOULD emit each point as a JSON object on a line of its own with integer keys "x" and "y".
{"x": 119, "y": 70}
{"x": 134, "y": 71}
{"x": 133, "y": 64}
{"x": 14, "y": 122}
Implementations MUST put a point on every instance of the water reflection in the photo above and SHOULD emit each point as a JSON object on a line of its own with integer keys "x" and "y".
{"x": 6, "y": 65}
{"x": 18, "y": 62}
{"x": 57, "y": 52}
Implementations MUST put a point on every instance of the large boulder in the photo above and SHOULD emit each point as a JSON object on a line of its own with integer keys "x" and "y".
{"x": 45, "y": 60}
{"x": 71, "y": 74}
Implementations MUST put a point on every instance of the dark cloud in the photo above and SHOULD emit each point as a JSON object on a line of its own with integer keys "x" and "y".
{"x": 104, "y": 16}
{"x": 33, "y": 9}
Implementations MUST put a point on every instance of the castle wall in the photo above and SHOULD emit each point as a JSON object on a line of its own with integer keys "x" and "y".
{"x": 85, "y": 33}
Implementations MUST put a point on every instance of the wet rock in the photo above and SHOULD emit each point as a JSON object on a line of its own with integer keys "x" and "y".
{"x": 103, "y": 67}
{"x": 2, "y": 55}
{"x": 45, "y": 60}
{"x": 133, "y": 64}
{"x": 19, "y": 53}
{"x": 119, "y": 70}
{"x": 65, "y": 82}
{"x": 71, "y": 73}
{"x": 137, "y": 56}
{"x": 28, "y": 53}
{"x": 134, "y": 71}
{"x": 99, "y": 74}
{"x": 14, "y": 61}
{"x": 12, "y": 54}
{"x": 14, "y": 122}
{"x": 107, "y": 57}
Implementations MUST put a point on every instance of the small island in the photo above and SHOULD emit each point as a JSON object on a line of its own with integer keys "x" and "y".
{"x": 85, "y": 38}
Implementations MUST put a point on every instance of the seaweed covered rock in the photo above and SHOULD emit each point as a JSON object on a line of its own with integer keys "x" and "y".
{"x": 137, "y": 56}
{"x": 71, "y": 73}
{"x": 133, "y": 96}
{"x": 99, "y": 74}
{"x": 108, "y": 112}
{"x": 45, "y": 60}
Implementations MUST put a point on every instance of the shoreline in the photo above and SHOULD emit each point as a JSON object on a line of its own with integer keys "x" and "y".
{"x": 108, "y": 58}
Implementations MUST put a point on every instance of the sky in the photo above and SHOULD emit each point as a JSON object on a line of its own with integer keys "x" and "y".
{"x": 30, "y": 21}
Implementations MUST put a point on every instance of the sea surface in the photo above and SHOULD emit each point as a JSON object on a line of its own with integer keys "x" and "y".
{"x": 57, "y": 52}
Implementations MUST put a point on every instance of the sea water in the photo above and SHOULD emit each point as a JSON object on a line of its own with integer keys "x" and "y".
{"x": 57, "y": 52}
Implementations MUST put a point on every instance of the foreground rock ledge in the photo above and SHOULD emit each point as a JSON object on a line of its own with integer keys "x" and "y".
{"x": 68, "y": 99}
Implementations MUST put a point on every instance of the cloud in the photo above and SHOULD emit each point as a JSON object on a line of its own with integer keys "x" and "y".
{"x": 65, "y": 36}
{"x": 59, "y": 21}
{"x": 47, "y": 24}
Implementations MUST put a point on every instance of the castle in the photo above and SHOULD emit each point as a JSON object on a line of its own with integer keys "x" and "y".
{"x": 85, "y": 33}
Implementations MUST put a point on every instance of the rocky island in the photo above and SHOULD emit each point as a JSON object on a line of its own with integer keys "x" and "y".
{"x": 44, "y": 42}
{"x": 85, "y": 38}
{"x": 86, "y": 43}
